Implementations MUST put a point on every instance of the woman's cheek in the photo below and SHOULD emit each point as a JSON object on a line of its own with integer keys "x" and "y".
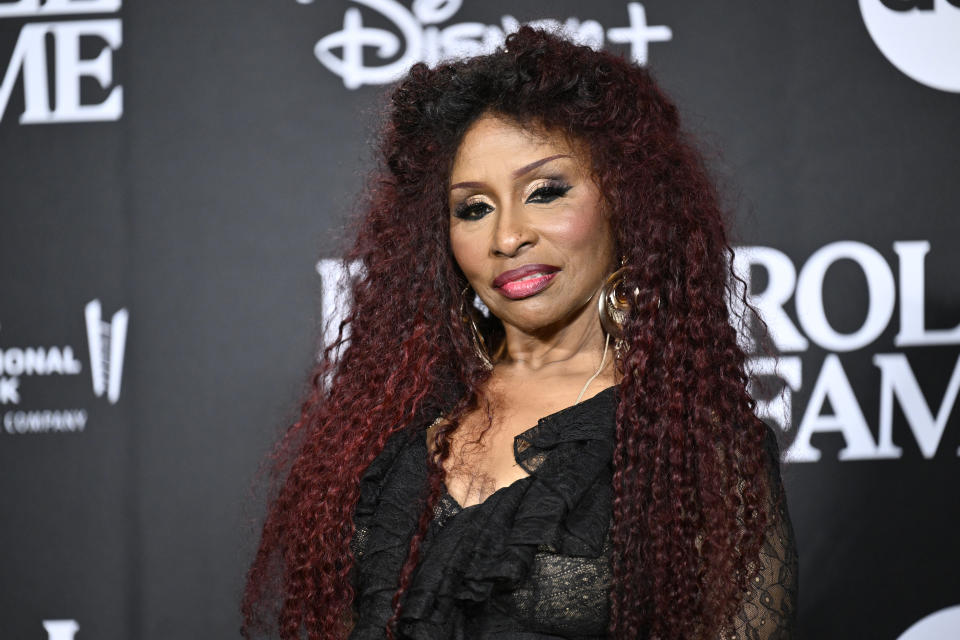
{"x": 579, "y": 227}
{"x": 467, "y": 252}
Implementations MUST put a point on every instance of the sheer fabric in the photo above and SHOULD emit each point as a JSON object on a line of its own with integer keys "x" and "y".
{"x": 532, "y": 561}
{"x": 769, "y": 610}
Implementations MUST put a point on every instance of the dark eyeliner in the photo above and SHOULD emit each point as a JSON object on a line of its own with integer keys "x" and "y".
{"x": 465, "y": 210}
{"x": 552, "y": 190}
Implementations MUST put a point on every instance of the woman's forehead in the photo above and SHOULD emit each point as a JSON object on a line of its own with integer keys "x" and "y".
{"x": 497, "y": 144}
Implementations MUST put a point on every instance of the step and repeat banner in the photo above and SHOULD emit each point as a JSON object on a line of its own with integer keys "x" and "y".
{"x": 174, "y": 183}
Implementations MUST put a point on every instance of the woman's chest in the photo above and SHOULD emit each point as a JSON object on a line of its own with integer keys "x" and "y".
{"x": 482, "y": 457}
{"x": 563, "y": 595}
{"x": 558, "y": 590}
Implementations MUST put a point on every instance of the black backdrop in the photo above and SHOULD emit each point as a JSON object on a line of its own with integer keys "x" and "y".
{"x": 171, "y": 173}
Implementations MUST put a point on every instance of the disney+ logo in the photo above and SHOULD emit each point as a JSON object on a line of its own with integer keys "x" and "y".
{"x": 421, "y": 39}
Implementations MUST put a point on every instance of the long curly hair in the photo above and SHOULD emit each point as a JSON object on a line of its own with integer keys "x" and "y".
{"x": 689, "y": 466}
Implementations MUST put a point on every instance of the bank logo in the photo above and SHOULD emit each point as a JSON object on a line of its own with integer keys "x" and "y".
{"x": 421, "y": 39}
{"x": 921, "y": 38}
{"x": 66, "y": 70}
{"x": 107, "y": 342}
{"x": 25, "y": 368}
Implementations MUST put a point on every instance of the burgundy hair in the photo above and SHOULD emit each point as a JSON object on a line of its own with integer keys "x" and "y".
{"x": 689, "y": 464}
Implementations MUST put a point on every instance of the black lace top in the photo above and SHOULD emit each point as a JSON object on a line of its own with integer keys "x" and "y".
{"x": 532, "y": 561}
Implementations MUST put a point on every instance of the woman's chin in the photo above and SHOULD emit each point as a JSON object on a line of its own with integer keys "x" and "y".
{"x": 538, "y": 324}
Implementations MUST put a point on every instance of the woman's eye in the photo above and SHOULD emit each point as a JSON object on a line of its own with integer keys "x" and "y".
{"x": 549, "y": 193}
{"x": 472, "y": 210}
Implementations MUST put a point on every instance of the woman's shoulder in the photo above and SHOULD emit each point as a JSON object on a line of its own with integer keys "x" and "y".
{"x": 395, "y": 444}
{"x": 402, "y": 461}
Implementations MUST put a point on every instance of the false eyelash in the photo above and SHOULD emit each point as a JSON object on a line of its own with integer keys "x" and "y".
{"x": 555, "y": 188}
{"x": 463, "y": 209}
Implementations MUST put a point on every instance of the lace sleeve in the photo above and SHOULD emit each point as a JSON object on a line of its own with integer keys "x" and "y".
{"x": 769, "y": 610}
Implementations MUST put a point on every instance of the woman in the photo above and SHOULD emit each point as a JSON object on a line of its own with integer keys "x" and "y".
{"x": 583, "y": 461}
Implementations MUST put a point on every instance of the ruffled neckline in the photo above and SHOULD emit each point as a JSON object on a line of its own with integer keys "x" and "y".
{"x": 530, "y": 446}
{"x": 564, "y": 506}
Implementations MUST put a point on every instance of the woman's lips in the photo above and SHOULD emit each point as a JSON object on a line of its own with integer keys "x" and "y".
{"x": 525, "y": 281}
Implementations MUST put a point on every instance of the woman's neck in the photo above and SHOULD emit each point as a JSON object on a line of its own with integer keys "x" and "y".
{"x": 573, "y": 349}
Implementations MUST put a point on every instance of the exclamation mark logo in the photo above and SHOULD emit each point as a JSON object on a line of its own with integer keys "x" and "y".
{"x": 107, "y": 341}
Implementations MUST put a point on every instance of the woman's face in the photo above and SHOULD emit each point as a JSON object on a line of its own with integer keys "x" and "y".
{"x": 527, "y": 225}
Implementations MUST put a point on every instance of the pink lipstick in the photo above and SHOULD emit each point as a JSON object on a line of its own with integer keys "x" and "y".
{"x": 525, "y": 281}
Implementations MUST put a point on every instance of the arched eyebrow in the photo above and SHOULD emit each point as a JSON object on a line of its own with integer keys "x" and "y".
{"x": 533, "y": 165}
{"x": 516, "y": 173}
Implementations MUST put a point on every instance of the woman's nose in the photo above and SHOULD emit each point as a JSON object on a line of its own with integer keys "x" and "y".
{"x": 512, "y": 233}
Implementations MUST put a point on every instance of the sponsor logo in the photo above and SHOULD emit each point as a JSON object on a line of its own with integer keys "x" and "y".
{"x": 107, "y": 341}
{"x": 61, "y": 629}
{"x": 420, "y": 38}
{"x": 106, "y": 346}
{"x": 921, "y": 38}
{"x": 101, "y": 99}
{"x": 940, "y": 625}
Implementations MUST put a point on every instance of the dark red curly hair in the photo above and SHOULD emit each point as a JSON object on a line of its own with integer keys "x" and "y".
{"x": 689, "y": 465}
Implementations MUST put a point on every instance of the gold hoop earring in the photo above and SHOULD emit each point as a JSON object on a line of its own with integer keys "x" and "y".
{"x": 479, "y": 345}
{"x": 614, "y": 303}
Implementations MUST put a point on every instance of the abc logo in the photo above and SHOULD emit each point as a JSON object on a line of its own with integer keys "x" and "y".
{"x": 940, "y": 625}
{"x": 920, "y": 37}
